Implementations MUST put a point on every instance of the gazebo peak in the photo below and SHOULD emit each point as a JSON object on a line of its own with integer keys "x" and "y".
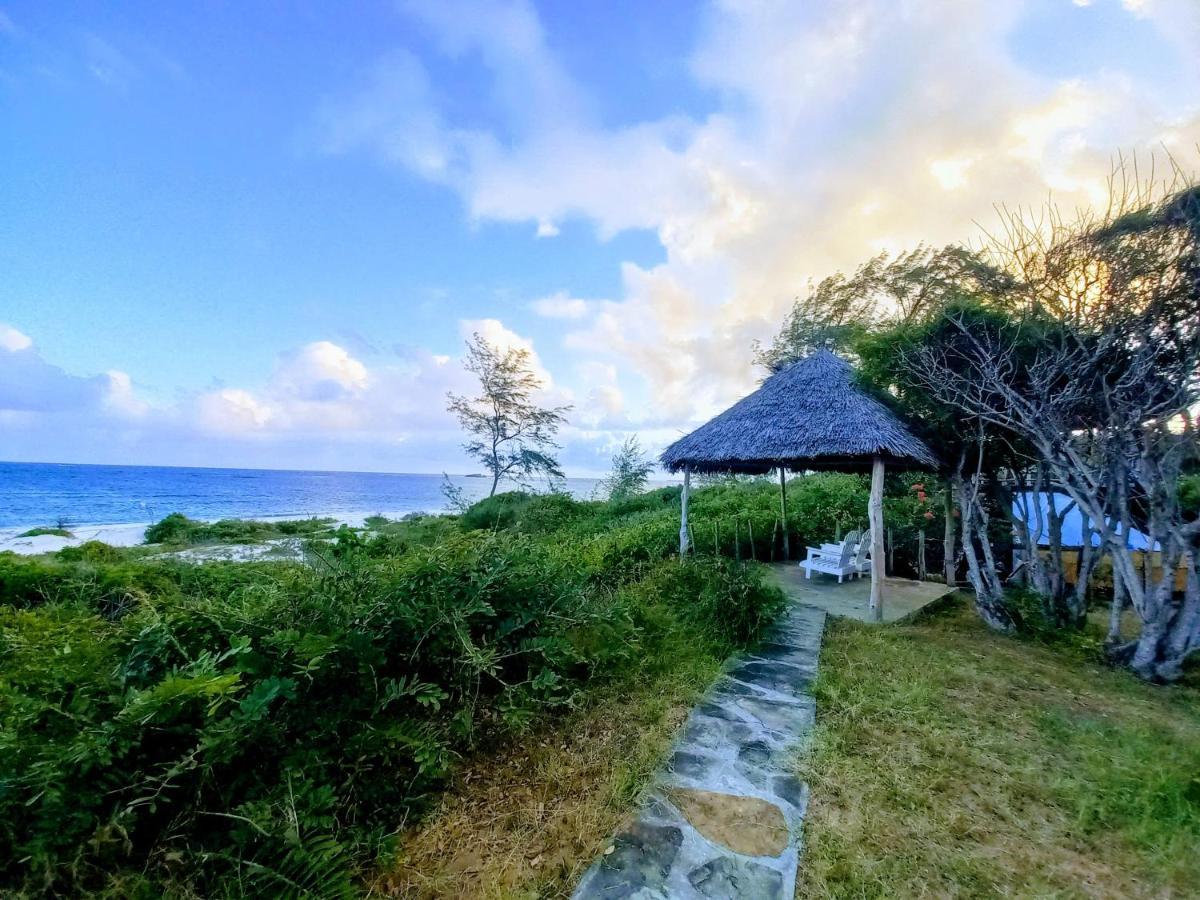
{"x": 809, "y": 415}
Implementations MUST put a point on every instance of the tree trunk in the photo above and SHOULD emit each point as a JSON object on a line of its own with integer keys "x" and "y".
{"x": 683, "y": 514}
{"x": 787, "y": 554}
{"x": 1116, "y": 610}
{"x": 949, "y": 563}
{"x": 1077, "y": 604}
{"x": 1184, "y": 636}
{"x": 875, "y": 517}
{"x": 989, "y": 592}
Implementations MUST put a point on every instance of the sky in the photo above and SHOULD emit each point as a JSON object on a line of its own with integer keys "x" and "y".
{"x": 258, "y": 234}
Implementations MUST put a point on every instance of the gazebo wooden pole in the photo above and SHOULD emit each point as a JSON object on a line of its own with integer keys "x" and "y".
{"x": 683, "y": 522}
{"x": 948, "y": 539}
{"x": 783, "y": 511}
{"x": 875, "y": 515}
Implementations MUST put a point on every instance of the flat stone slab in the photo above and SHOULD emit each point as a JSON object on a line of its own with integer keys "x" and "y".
{"x": 902, "y": 597}
{"x": 724, "y": 817}
{"x": 745, "y": 825}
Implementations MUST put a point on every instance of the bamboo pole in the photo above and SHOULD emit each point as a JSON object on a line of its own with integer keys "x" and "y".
{"x": 737, "y": 540}
{"x": 783, "y": 511}
{"x": 750, "y": 525}
{"x": 875, "y": 515}
{"x": 948, "y": 564}
{"x": 683, "y": 519}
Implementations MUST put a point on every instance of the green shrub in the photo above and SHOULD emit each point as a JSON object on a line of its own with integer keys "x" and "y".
{"x": 499, "y": 511}
{"x": 231, "y": 727}
{"x": 37, "y": 532}
{"x": 177, "y": 529}
{"x": 91, "y": 552}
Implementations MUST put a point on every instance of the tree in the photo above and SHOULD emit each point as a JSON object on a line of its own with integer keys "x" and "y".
{"x": 881, "y": 293}
{"x": 510, "y": 435}
{"x": 630, "y": 471}
{"x": 1104, "y": 392}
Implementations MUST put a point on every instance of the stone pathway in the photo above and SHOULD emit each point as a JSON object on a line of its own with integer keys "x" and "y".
{"x": 724, "y": 819}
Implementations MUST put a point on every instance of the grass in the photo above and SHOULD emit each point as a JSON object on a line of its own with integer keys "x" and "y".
{"x": 37, "y": 532}
{"x": 948, "y": 761}
{"x": 528, "y": 819}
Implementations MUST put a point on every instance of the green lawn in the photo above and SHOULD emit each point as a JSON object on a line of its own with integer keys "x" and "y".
{"x": 949, "y": 761}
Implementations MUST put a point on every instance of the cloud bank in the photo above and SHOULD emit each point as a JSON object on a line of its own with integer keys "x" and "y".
{"x": 834, "y": 130}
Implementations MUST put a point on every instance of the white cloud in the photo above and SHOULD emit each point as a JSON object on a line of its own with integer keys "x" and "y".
{"x": 320, "y": 371}
{"x": 12, "y": 340}
{"x": 232, "y": 411}
{"x": 835, "y": 129}
{"x": 561, "y": 306}
{"x": 843, "y": 129}
{"x": 120, "y": 397}
{"x": 392, "y": 115}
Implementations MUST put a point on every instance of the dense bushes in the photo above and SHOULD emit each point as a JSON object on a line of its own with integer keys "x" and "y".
{"x": 178, "y": 529}
{"x": 232, "y": 728}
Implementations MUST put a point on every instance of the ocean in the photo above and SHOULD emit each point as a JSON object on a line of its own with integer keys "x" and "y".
{"x": 34, "y": 494}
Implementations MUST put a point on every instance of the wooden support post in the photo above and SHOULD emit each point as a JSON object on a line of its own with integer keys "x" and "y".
{"x": 683, "y": 522}
{"x": 949, "y": 565}
{"x": 783, "y": 511}
{"x": 875, "y": 515}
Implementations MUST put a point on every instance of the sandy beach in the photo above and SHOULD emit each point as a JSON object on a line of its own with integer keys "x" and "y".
{"x": 127, "y": 535}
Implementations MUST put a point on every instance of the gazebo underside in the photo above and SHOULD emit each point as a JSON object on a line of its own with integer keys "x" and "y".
{"x": 796, "y": 466}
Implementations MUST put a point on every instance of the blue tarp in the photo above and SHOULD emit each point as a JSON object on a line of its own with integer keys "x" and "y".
{"x": 1072, "y": 530}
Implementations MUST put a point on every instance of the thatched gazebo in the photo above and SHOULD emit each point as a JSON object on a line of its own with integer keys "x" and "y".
{"x": 806, "y": 417}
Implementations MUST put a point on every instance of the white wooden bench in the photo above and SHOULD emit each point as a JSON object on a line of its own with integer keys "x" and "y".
{"x": 836, "y": 559}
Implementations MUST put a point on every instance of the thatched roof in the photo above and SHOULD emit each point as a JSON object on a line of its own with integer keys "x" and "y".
{"x": 810, "y": 415}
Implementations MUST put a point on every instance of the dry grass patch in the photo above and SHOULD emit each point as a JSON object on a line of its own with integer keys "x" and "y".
{"x": 950, "y": 762}
{"x": 526, "y": 820}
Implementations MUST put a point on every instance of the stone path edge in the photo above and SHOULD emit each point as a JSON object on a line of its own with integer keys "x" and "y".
{"x": 724, "y": 818}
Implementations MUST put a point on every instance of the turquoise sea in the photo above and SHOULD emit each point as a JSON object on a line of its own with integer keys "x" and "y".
{"x": 42, "y": 493}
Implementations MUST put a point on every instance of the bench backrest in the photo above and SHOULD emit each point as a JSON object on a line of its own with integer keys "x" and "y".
{"x": 848, "y": 548}
{"x": 864, "y": 547}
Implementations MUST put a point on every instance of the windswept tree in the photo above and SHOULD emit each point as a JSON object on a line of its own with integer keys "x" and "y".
{"x": 883, "y": 292}
{"x": 509, "y": 434}
{"x": 1098, "y": 373}
{"x": 630, "y": 471}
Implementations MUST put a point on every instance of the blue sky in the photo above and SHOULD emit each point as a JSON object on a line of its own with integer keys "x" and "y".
{"x": 258, "y": 233}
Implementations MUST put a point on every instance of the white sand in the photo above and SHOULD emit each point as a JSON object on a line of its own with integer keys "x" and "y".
{"x": 116, "y": 535}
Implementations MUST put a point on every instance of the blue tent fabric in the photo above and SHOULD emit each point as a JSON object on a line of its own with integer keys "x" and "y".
{"x": 1072, "y": 531}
